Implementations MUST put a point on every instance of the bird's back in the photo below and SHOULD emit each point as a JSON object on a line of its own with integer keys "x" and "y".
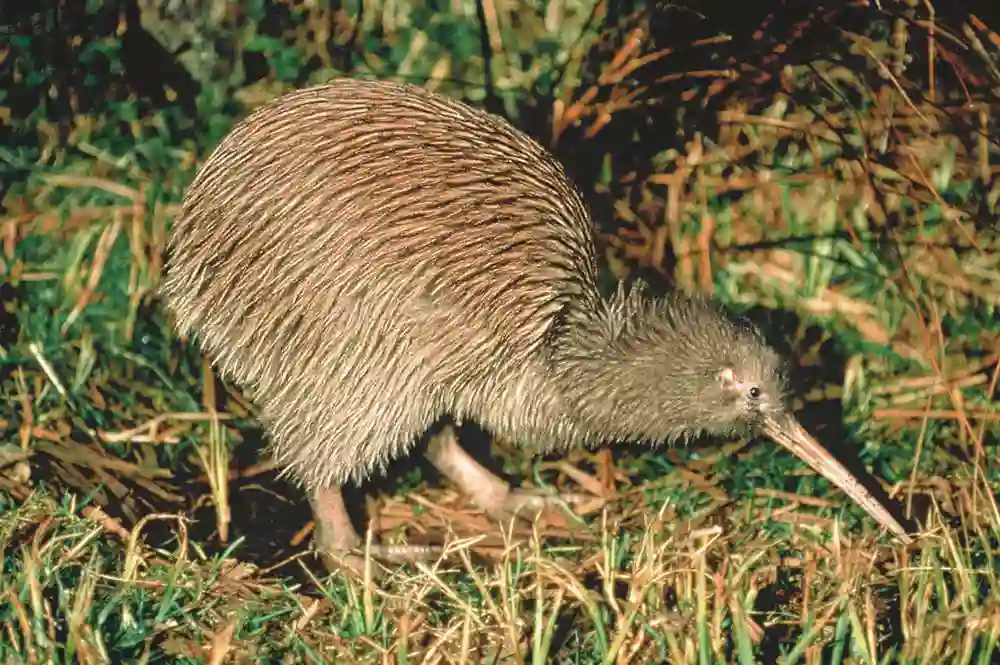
{"x": 356, "y": 220}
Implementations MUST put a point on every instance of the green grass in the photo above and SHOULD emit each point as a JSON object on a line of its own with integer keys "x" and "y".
{"x": 837, "y": 201}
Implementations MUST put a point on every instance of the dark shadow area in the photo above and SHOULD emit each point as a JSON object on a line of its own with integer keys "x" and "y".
{"x": 561, "y": 634}
{"x": 10, "y": 297}
{"x": 685, "y": 92}
{"x": 151, "y": 69}
{"x": 777, "y": 639}
{"x": 73, "y": 53}
{"x": 9, "y": 325}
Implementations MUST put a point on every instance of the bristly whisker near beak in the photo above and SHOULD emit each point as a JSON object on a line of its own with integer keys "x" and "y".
{"x": 785, "y": 430}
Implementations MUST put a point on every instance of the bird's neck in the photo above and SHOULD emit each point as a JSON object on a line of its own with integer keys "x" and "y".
{"x": 606, "y": 363}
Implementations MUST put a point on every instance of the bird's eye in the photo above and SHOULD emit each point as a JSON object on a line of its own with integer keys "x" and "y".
{"x": 754, "y": 392}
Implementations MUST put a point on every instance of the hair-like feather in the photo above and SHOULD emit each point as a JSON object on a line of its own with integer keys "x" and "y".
{"x": 366, "y": 257}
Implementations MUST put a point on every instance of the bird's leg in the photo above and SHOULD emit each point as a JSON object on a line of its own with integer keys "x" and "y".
{"x": 332, "y": 528}
{"x": 339, "y": 544}
{"x": 486, "y": 490}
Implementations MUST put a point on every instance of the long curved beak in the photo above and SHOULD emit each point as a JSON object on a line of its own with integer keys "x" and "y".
{"x": 784, "y": 429}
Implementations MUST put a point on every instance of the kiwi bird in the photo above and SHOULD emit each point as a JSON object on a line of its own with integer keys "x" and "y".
{"x": 366, "y": 259}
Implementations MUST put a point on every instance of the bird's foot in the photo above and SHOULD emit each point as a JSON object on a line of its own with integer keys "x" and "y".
{"x": 528, "y": 504}
{"x": 339, "y": 545}
{"x": 374, "y": 557}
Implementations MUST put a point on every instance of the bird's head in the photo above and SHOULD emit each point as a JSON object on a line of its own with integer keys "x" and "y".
{"x": 683, "y": 367}
{"x": 741, "y": 387}
{"x": 676, "y": 367}
{"x": 743, "y": 382}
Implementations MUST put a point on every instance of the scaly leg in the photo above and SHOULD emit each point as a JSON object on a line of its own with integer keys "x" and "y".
{"x": 334, "y": 536}
{"x": 332, "y": 529}
{"x": 489, "y": 492}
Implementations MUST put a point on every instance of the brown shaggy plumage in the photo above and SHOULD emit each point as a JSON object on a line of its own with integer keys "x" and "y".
{"x": 367, "y": 257}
